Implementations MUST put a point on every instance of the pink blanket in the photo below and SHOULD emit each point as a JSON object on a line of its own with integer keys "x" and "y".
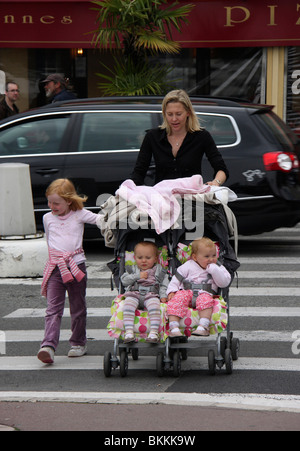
{"x": 159, "y": 201}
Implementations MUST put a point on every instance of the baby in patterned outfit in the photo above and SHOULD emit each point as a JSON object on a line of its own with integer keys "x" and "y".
{"x": 202, "y": 267}
{"x": 146, "y": 273}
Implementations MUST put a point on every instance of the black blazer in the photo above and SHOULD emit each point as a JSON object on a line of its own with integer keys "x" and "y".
{"x": 188, "y": 161}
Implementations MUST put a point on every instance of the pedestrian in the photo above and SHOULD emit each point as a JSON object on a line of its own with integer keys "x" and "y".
{"x": 7, "y": 105}
{"x": 178, "y": 145}
{"x": 56, "y": 88}
{"x": 195, "y": 277}
{"x": 65, "y": 270}
{"x": 147, "y": 283}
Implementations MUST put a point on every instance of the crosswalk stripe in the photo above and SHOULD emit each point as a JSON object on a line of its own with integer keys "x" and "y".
{"x": 234, "y": 291}
{"x": 265, "y": 291}
{"x": 269, "y": 260}
{"x": 268, "y": 275}
{"x": 26, "y": 336}
{"x": 95, "y": 362}
{"x": 96, "y": 272}
{"x": 106, "y": 312}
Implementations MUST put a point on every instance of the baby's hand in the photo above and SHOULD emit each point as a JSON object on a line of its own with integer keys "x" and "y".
{"x": 170, "y": 296}
{"x": 163, "y": 300}
{"x": 144, "y": 275}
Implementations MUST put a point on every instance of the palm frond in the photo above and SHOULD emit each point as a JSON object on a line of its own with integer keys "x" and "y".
{"x": 127, "y": 79}
{"x": 156, "y": 41}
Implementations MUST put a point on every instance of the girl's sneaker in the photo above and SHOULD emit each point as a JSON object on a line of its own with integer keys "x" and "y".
{"x": 77, "y": 351}
{"x": 46, "y": 355}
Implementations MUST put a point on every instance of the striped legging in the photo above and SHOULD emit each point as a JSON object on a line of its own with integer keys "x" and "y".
{"x": 151, "y": 304}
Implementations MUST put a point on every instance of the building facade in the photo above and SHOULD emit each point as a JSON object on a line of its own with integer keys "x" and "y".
{"x": 230, "y": 48}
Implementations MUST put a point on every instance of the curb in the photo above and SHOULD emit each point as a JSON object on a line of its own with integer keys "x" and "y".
{"x": 4, "y": 428}
{"x": 252, "y": 401}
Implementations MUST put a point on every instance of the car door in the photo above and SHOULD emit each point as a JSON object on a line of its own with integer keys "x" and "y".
{"x": 37, "y": 141}
{"x": 107, "y": 145}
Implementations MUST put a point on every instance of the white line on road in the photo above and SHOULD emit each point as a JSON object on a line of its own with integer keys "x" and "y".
{"x": 269, "y": 275}
{"x": 106, "y": 276}
{"x": 240, "y": 291}
{"x": 31, "y": 363}
{"x": 26, "y": 336}
{"x": 106, "y": 312}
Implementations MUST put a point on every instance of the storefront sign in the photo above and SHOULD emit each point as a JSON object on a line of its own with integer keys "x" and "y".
{"x": 220, "y": 23}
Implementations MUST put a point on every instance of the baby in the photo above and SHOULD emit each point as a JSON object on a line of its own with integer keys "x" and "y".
{"x": 146, "y": 283}
{"x": 201, "y": 268}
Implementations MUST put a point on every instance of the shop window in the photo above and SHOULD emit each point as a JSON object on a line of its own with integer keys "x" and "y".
{"x": 293, "y": 89}
{"x": 220, "y": 72}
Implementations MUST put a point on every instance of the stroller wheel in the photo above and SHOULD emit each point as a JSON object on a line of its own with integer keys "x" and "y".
{"x": 107, "y": 364}
{"x": 228, "y": 361}
{"x": 211, "y": 362}
{"x": 123, "y": 363}
{"x": 235, "y": 348}
{"x": 177, "y": 363}
{"x": 223, "y": 344}
{"x": 160, "y": 364}
{"x": 135, "y": 353}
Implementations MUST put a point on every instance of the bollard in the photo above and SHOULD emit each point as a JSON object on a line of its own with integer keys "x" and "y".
{"x": 16, "y": 204}
{"x": 23, "y": 252}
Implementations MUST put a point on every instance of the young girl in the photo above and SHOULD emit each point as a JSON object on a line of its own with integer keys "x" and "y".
{"x": 65, "y": 269}
{"x": 149, "y": 275}
{"x": 202, "y": 267}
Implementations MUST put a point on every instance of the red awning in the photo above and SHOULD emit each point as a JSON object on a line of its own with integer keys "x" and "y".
{"x": 214, "y": 23}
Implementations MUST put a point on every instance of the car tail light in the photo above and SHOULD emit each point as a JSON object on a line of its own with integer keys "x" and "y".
{"x": 280, "y": 161}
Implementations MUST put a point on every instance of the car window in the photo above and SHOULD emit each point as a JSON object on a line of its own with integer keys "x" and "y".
{"x": 280, "y": 131}
{"x": 112, "y": 130}
{"x": 222, "y": 128}
{"x": 40, "y": 136}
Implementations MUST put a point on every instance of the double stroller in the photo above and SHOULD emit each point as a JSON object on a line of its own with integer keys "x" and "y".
{"x": 174, "y": 248}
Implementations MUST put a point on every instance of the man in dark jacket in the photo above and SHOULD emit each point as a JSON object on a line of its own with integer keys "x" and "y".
{"x": 7, "y": 104}
{"x": 56, "y": 88}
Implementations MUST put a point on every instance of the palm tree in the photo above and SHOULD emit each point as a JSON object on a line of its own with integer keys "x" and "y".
{"x": 139, "y": 28}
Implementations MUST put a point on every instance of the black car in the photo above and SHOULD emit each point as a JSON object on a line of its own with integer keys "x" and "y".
{"x": 95, "y": 142}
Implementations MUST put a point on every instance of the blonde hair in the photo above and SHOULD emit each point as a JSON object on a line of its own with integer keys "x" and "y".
{"x": 148, "y": 244}
{"x": 65, "y": 189}
{"x": 180, "y": 96}
{"x": 202, "y": 242}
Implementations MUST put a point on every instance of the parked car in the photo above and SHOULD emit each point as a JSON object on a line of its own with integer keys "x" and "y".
{"x": 95, "y": 142}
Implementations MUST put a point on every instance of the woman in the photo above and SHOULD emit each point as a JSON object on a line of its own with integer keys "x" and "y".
{"x": 178, "y": 145}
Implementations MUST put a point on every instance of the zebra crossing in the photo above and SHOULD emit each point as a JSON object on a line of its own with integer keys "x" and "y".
{"x": 239, "y": 314}
{"x": 264, "y": 312}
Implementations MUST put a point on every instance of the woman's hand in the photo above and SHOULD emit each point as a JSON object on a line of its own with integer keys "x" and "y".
{"x": 213, "y": 183}
{"x": 219, "y": 179}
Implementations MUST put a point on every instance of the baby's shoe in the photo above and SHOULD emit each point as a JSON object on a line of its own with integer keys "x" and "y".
{"x": 129, "y": 337}
{"x": 201, "y": 332}
{"x": 174, "y": 330}
{"x": 77, "y": 351}
{"x": 175, "y": 333}
{"x": 152, "y": 337}
{"x": 46, "y": 355}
